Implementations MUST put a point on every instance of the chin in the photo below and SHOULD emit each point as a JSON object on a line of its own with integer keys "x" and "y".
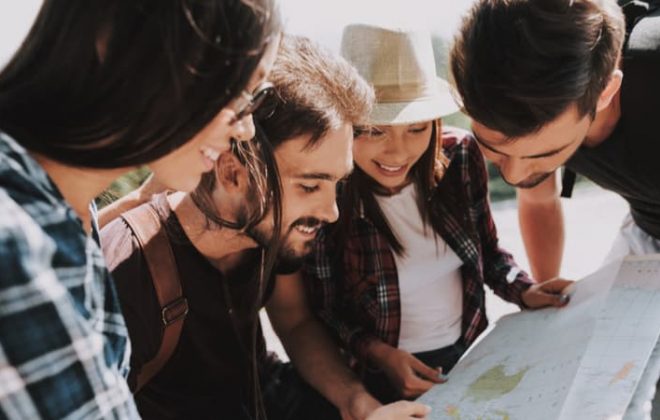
{"x": 183, "y": 184}
{"x": 532, "y": 182}
{"x": 295, "y": 254}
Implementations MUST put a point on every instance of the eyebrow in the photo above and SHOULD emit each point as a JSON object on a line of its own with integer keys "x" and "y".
{"x": 316, "y": 176}
{"x": 538, "y": 156}
{"x": 322, "y": 176}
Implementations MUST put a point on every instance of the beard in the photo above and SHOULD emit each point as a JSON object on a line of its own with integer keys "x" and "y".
{"x": 289, "y": 255}
{"x": 530, "y": 182}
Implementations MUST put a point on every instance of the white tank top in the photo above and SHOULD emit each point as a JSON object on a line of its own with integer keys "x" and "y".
{"x": 430, "y": 282}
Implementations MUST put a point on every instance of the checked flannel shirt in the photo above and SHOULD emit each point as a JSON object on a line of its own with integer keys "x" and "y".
{"x": 358, "y": 297}
{"x": 64, "y": 347}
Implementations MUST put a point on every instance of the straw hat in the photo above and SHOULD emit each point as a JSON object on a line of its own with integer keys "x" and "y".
{"x": 400, "y": 65}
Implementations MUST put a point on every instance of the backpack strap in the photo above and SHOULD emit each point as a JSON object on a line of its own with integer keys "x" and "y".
{"x": 634, "y": 10}
{"x": 146, "y": 224}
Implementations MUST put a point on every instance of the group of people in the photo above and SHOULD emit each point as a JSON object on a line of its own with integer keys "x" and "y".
{"x": 324, "y": 188}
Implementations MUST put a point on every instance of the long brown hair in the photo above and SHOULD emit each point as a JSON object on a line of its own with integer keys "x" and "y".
{"x": 360, "y": 190}
{"x": 120, "y": 83}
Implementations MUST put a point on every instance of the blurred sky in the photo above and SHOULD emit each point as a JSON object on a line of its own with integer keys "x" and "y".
{"x": 321, "y": 20}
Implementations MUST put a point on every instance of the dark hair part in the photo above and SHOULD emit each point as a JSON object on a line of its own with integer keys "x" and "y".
{"x": 518, "y": 64}
{"x": 114, "y": 83}
{"x": 360, "y": 190}
{"x": 317, "y": 91}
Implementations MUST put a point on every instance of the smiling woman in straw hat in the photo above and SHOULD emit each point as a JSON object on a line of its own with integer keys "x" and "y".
{"x": 401, "y": 276}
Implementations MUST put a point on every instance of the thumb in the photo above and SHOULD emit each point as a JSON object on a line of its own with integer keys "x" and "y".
{"x": 538, "y": 298}
{"x": 409, "y": 408}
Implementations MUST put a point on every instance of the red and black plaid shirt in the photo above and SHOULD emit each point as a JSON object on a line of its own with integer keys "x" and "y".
{"x": 359, "y": 300}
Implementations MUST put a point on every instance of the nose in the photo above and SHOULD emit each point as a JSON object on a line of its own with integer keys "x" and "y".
{"x": 328, "y": 210}
{"x": 394, "y": 144}
{"x": 243, "y": 129}
{"x": 515, "y": 170}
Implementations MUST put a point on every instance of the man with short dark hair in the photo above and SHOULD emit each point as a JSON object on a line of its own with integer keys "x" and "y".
{"x": 543, "y": 81}
{"x": 220, "y": 258}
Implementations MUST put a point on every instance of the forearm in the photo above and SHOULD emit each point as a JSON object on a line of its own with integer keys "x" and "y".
{"x": 117, "y": 207}
{"x": 318, "y": 360}
{"x": 542, "y": 230}
{"x": 131, "y": 200}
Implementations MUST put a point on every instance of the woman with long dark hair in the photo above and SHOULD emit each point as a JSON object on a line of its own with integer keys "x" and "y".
{"x": 401, "y": 276}
{"x": 96, "y": 89}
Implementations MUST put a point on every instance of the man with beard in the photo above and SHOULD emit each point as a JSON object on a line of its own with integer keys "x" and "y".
{"x": 543, "y": 82}
{"x": 219, "y": 242}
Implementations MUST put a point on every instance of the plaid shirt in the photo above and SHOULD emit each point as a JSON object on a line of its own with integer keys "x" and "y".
{"x": 360, "y": 299}
{"x": 63, "y": 342}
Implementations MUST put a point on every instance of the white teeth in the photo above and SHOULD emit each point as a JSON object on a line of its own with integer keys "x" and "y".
{"x": 306, "y": 229}
{"x": 390, "y": 168}
{"x": 210, "y": 153}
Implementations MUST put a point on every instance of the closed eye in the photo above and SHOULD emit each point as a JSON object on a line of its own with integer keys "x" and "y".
{"x": 366, "y": 131}
{"x": 418, "y": 129}
{"x": 309, "y": 188}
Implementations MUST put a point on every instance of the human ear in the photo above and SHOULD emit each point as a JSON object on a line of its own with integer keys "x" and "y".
{"x": 610, "y": 90}
{"x": 230, "y": 173}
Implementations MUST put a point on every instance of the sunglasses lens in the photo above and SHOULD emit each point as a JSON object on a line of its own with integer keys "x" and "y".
{"x": 265, "y": 105}
{"x": 258, "y": 98}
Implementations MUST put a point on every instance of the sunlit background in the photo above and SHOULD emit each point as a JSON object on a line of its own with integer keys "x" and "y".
{"x": 321, "y": 20}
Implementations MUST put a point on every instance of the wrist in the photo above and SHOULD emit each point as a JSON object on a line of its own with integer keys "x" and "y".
{"x": 524, "y": 296}
{"x": 377, "y": 351}
{"x": 142, "y": 194}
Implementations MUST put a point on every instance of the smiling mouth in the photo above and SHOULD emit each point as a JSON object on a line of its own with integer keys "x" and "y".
{"x": 308, "y": 230}
{"x": 210, "y": 153}
{"x": 391, "y": 169}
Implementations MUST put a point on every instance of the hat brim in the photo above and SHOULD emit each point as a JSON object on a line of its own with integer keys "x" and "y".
{"x": 418, "y": 110}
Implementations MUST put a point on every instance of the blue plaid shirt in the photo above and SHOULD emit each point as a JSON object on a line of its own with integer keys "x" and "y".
{"x": 64, "y": 349}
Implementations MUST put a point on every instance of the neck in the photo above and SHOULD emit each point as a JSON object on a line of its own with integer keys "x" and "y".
{"x": 206, "y": 240}
{"x": 604, "y": 123}
{"x": 79, "y": 186}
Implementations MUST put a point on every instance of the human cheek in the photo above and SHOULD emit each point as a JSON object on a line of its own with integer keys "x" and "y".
{"x": 218, "y": 132}
{"x": 362, "y": 154}
{"x": 289, "y": 200}
{"x": 419, "y": 146}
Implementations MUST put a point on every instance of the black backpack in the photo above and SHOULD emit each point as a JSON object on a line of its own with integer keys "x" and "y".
{"x": 634, "y": 10}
